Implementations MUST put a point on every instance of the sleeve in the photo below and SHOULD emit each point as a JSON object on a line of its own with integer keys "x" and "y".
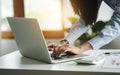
{"x": 76, "y": 31}
{"x": 109, "y": 33}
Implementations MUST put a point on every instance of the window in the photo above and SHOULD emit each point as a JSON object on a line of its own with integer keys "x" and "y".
{"x": 54, "y": 15}
{"x": 6, "y": 11}
{"x": 47, "y": 11}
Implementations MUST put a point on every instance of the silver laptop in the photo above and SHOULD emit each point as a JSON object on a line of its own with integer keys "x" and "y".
{"x": 31, "y": 42}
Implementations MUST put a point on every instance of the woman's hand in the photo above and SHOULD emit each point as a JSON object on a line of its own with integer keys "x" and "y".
{"x": 66, "y": 48}
{"x": 69, "y": 50}
{"x": 51, "y": 45}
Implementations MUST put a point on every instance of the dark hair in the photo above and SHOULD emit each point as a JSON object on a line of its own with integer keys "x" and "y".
{"x": 87, "y": 9}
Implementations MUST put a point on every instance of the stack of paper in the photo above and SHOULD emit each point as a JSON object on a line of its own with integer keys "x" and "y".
{"x": 112, "y": 61}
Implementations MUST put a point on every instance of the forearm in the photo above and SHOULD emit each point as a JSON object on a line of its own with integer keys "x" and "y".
{"x": 109, "y": 33}
{"x": 76, "y": 31}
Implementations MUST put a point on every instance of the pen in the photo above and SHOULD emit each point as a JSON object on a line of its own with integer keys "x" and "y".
{"x": 111, "y": 53}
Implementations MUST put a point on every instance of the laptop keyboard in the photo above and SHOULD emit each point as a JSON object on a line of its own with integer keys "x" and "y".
{"x": 62, "y": 56}
{"x": 66, "y": 56}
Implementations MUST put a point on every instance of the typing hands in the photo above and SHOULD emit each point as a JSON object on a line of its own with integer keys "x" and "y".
{"x": 63, "y": 47}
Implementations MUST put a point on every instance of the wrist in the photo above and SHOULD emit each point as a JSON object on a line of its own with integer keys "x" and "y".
{"x": 85, "y": 46}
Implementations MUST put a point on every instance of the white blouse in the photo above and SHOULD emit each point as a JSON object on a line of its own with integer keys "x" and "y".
{"x": 109, "y": 32}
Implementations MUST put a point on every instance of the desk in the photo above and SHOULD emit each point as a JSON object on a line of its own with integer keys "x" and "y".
{"x": 15, "y": 64}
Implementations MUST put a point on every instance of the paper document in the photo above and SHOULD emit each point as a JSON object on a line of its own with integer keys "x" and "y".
{"x": 112, "y": 61}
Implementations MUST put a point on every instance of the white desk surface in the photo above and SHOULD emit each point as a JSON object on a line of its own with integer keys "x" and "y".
{"x": 14, "y": 62}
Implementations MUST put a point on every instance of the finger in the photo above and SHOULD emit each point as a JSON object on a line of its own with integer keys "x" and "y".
{"x": 73, "y": 50}
{"x": 67, "y": 48}
{"x": 69, "y": 51}
{"x": 51, "y": 49}
{"x": 52, "y": 46}
{"x": 56, "y": 49}
{"x": 61, "y": 50}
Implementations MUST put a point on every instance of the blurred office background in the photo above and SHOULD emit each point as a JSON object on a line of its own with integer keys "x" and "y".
{"x": 55, "y": 18}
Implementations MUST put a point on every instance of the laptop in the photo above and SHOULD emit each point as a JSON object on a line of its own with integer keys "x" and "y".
{"x": 31, "y": 42}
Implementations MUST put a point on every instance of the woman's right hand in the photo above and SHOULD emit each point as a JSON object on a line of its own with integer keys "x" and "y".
{"x": 71, "y": 50}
